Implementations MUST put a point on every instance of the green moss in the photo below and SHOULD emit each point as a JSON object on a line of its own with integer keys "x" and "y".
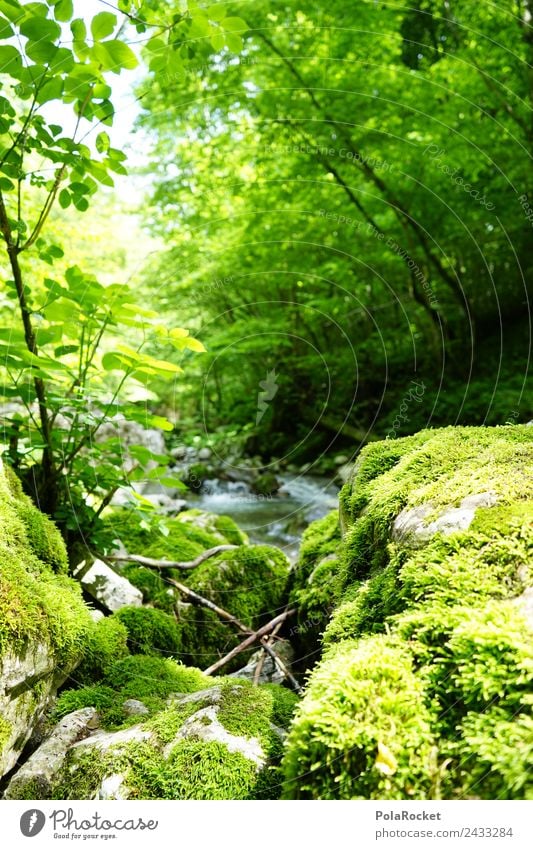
{"x": 362, "y": 697}
{"x": 6, "y": 730}
{"x": 447, "y": 604}
{"x": 80, "y": 780}
{"x": 245, "y": 710}
{"x": 181, "y": 540}
{"x": 491, "y": 757}
{"x": 438, "y": 468}
{"x": 194, "y": 770}
{"x": 43, "y": 537}
{"x": 154, "y": 589}
{"x": 141, "y": 676}
{"x": 230, "y": 531}
{"x": 35, "y": 603}
{"x": 105, "y": 644}
{"x": 283, "y": 705}
{"x": 249, "y": 582}
{"x": 98, "y": 696}
{"x": 150, "y": 631}
{"x": 220, "y": 528}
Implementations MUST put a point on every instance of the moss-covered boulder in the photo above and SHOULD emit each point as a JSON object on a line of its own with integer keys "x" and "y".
{"x": 249, "y": 581}
{"x": 433, "y": 579}
{"x": 43, "y": 620}
{"x": 206, "y": 739}
{"x": 313, "y": 585}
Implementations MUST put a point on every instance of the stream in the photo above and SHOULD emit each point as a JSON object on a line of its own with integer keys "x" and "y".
{"x": 271, "y": 520}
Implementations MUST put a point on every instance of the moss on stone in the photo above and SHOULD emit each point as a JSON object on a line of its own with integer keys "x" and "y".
{"x": 169, "y": 766}
{"x": 141, "y": 676}
{"x": 194, "y": 770}
{"x": 150, "y": 631}
{"x": 221, "y": 528}
{"x": 6, "y": 730}
{"x": 154, "y": 589}
{"x": 448, "y": 605}
{"x": 181, "y": 541}
{"x": 435, "y": 468}
{"x": 363, "y": 730}
{"x": 106, "y": 643}
{"x": 283, "y": 705}
{"x": 44, "y": 539}
{"x": 36, "y": 605}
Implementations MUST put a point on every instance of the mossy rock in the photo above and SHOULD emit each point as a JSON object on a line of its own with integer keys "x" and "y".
{"x": 218, "y": 742}
{"x": 313, "y": 585}
{"x": 449, "y": 598}
{"x": 249, "y": 582}
{"x": 106, "y": 643}
{"x": 363, "y": 729}
{"x": 221, "y": 528}
{"x": 43, "y": 621}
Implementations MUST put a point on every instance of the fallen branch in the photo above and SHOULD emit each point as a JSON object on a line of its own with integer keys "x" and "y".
{"x": 199, "y": 600}
{"x": 170, "y": 564}
{"x": 279, "y": 663}
{"x": 249, "y": 641}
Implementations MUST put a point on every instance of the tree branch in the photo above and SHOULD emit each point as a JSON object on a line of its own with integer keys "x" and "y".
{"x": 250, "y": 640}
{"x": 170, "y": 564}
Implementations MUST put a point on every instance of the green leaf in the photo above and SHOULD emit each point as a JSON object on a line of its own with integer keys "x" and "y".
{"x": 78, "y": 29}
{"x": 103, "y": 25}
{"x": 51, "y": 90}
{"x": 12, "y": 10}
{"x": 41, "y": 52}
{"x": 64, "y": 199}
{"x": 40, "y": 29}
{"x": 63, "y": 10}
{"x": 234, "y": 25}
{"x": 234, "y": 42}
{"x": 218, "y": 40}
{"x": 10, "y": 59}
{"x": 65, "y": 349}
{"x": 6, "y": 30}
{"x": 122, "y": 56}
{"x": 216, "y": 13}
{"x": 102, "y": 142}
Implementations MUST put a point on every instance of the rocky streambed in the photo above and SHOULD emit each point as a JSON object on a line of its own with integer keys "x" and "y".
{"x": 411, "y": 634}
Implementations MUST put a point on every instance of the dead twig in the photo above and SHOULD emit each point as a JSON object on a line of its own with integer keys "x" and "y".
{"x": 170, "y": 564}
{"x": 249, "y": 641}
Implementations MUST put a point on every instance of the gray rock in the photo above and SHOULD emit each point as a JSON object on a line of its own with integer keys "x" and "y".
{"x": 409, "y": 525}
{"x": 133, "y": 707}
{"x": 44, "y": 765}
{"x": 270, "y": 671}
{"x": 205, "y": 725}
{"x": 106, "y": 586}
{"x": 113, "y": 788}
{"x": 204, "y": 454}
{"x": 21, "y": 703}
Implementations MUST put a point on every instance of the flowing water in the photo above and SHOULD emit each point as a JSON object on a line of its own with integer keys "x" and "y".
{"x": 274, "y": 520}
